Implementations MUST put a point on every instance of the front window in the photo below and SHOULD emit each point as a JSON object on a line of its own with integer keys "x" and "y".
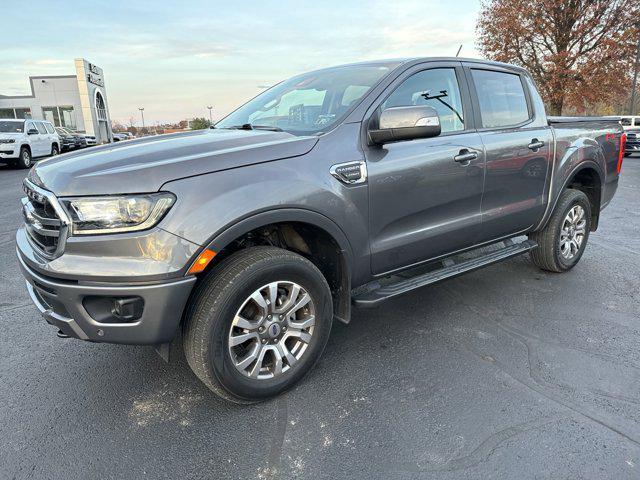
{"x": 308, "y": 104}
{"x": 437, "y": 88}
{"x": 11, "y": 127}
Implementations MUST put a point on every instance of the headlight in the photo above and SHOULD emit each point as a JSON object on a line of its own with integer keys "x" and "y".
{"x": 117, "y": 214}
{"x": 8, "y": 140}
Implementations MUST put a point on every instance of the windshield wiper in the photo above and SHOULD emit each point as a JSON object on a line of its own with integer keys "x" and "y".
{"x": 249, "y": 126}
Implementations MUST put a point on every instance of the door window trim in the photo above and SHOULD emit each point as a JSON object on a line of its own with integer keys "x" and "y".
{"x": 468, "y": 67}
{"x": 465, "y": 94}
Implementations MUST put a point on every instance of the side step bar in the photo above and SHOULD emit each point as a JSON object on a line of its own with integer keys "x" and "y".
{"x": 375, "y": 292}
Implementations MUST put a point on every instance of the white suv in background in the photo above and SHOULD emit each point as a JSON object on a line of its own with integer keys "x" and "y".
{"x": 23, "y": 140}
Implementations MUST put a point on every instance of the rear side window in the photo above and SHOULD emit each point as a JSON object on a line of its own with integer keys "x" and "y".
{"x": 49, "y": 128}
{"x": 502, "y": 99}
{"x": 41, "y": 128}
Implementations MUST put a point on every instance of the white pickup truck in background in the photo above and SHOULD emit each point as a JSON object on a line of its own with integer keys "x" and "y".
{"x": 23, "y": 140}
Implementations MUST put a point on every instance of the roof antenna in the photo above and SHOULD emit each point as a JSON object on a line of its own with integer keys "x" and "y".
{"x": 459, "y": 50}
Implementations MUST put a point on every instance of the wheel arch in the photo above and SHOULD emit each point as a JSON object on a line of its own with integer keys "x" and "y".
{"x": 306, "y": 232}
{"x": 587, "y": 177}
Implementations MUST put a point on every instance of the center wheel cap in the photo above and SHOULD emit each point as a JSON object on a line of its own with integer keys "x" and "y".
{"x": 274, "y": 330}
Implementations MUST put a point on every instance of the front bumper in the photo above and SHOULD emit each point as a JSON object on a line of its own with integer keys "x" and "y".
{"x": 65, "y": 305}
{"x": 8, "y": 152}
{"x": 632, "y": 147}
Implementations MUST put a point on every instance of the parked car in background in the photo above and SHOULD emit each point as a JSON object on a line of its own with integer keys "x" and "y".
{"x": 344, "y": 186}
{"x": 73, "y": 139}
{"x": 120, "y": 137}
{"x": 630, "y": 122}
{"x": 23, "y": 140}
{"x": 67, "y": 140}
{"x": 633, "y": 142}
{"x": 90, "y": 140}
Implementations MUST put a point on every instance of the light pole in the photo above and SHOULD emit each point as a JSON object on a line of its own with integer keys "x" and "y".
{"x": 142, "y": 113}
{"x": 210, "y": 117}
{"x": 632, "y": 107}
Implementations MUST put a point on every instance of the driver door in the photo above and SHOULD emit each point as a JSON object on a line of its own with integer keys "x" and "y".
{"x": 423, "y": 202}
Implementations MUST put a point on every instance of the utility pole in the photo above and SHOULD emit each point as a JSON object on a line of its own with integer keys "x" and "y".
{"x": 142, "y": 113}
{"x": 632, "y": 106}
{"x": 210, "y": 117}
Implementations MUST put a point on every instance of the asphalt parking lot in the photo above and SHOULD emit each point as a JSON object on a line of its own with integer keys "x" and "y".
{"x": 508, "y": 372}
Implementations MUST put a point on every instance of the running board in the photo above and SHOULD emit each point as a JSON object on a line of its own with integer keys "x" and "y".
{"x": 375, "y": 292}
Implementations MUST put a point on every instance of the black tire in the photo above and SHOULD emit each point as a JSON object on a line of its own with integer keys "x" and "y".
{"x": 55, "y": 150}
{"x": 217, "y": 299}
{"x": 25, "y": 160}
{"x": 548, "y": 255}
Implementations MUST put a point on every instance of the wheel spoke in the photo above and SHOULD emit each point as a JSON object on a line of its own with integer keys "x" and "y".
{"x": 302, "y": 335}
{"x": 260, "y": 301}
{"x": 273, "y": 296}
{"x": 255, "y": 371}
{"x": 242, "y": 322}
{"x": 277, "y": 367}
{"x": 285, "y": 353}
{"x": 251, "y": 356}
{"x": 293, "y": 295}
{"x": 303, "y": 324}
{"x": 300, "y": 303}
{"x": 243, "y": 337}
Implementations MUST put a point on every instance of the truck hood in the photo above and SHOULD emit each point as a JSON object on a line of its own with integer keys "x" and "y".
{"x": 145, "y": 164}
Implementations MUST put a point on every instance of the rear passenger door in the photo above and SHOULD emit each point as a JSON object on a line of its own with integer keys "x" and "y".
{"x": 517, "y": 140}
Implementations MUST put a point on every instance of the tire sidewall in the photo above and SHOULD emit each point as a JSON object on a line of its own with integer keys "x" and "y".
{"x": 219, "y": 358}
{"x": 582, "y": 200}
{"x": 21, "y": 162}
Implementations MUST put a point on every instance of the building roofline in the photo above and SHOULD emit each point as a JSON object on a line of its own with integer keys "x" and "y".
{"x": 31, "y": 79}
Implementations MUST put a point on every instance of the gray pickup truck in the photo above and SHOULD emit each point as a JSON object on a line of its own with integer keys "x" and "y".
{"x": 337, "y": 188}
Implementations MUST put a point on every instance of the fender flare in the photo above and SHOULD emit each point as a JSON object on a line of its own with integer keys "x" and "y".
{"x": 222, "y": 238}
{"x": 581, "y": 166}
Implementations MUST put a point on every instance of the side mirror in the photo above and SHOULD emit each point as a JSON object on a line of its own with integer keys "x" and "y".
{"x": 32, "y": 131}
{"x": 405, "y": 123}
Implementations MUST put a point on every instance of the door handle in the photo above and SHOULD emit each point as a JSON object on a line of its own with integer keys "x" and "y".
{"x": 536, "y": 144}
{"x": 465, "y": 156}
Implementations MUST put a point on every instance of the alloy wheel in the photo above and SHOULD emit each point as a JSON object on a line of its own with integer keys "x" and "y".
{"x": 26, "y": 158}
{"x": 573, "y": 232}
{"x": 272, "y": 330}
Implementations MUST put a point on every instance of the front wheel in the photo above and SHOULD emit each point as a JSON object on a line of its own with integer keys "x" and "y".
{"x": 54, "y": 150}
{"x": 25, "y": 159}
{"x": 257, "y": 323}
{"x": 563, "y": 241}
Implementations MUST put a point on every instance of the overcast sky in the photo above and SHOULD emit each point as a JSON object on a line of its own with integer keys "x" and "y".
{"x": 174, "y": 58}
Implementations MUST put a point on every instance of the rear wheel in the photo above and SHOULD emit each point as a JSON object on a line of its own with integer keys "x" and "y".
{"x": 257, "y": 323}
{"x": 563, "y": 241}
{"x": 24, "y": 160}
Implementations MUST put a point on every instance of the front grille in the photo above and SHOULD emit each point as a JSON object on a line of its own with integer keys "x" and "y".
{"x": 43, "y": 223}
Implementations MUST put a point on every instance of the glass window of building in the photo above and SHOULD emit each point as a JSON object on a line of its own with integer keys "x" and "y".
{"x": 23, "y": 112}
{"x": 68, "y": 117}
{"x": 6, "y": 113}
{"x": 52, "y": 115}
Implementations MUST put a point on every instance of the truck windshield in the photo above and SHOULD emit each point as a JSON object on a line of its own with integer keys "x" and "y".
{"x": 308, "y": 104}
{"x": 11, "y": 127}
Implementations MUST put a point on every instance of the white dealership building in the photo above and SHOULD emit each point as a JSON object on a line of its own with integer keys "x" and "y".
{"x": 78, "y": 102}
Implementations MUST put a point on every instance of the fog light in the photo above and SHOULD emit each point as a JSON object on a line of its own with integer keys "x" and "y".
{"x": 127, "y": 309}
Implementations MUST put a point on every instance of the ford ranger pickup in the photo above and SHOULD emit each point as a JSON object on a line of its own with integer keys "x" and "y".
{"x": 338, "y": 188}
